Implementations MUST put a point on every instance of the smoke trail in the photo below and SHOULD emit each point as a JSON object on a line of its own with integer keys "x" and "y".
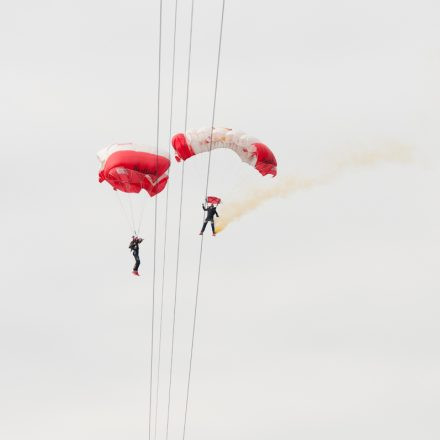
{"x": 284, "y": 187}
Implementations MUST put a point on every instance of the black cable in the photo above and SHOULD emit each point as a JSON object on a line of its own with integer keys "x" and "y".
{"x": 201, "y": 241}
{"x": 180, "y": 222}
{"x": 155, "y": 220}
{"x": 166, "y": 217}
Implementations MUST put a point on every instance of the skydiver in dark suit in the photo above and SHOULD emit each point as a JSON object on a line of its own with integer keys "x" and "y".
{"x": 211, "y": 212}
{"x": 134, "y": 248}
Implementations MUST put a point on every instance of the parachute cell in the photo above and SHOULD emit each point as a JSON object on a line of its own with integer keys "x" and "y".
{"x": 249, "y": 149}
{"x": 130, "y": 168}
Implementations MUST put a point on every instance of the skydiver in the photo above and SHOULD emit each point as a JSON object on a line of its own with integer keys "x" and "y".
{"x": 134, "y": 248}
{"x": 211, "y": 211}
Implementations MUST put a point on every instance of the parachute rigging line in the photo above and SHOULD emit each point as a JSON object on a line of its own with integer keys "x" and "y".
{"x": 188, "y": 76}
{"x": 166, "y": 219}
{"x": 130, "y": 202}
{"x": 201, "y": 241}
{"x": 127, "y": 217}
{"x": 155, "y": 221}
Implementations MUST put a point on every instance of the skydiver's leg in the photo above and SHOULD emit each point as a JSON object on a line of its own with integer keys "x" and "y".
{"x": 138, "y": 261}
{"x": 136, "y": 266}
{"x": 213, "y": 226}
{"x": 204, "y": 226}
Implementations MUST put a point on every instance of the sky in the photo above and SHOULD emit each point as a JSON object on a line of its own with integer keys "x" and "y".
{"x": 317, "y": 313}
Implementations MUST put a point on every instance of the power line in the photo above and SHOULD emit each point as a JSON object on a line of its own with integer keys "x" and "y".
{"x": 155, "y": 220}
{"x": 201, "y": 241}
{"x": 180, "y": 224}
{"x": 166, "y": 218}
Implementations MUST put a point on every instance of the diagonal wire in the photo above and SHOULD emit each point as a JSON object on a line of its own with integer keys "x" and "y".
{"x": 155, "y": 221}
{"x": 201, "y": 241}
{"x": 188, "y": 76}
{"x": 166, "y": 218}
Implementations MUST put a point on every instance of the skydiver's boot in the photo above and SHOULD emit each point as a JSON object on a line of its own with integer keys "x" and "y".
{"x": 135, "y": 272}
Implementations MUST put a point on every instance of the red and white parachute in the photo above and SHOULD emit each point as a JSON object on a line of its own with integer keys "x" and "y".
{"x": 131, "y": 168}
{"x": 248, "y": 148}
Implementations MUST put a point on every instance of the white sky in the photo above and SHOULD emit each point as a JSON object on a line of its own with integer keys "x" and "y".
{"x": 318, "y": 313}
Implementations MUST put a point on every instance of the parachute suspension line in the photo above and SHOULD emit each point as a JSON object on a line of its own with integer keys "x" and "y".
{"x": 141, "y": 217}
{"x": 130, "y": 204}
{"x": 155, "y": 222}
{"x": 176, "y": 281}
{"x": 166, "y": 218}
{"x": 201, "y": 241}
{"x": 127, "y": 218}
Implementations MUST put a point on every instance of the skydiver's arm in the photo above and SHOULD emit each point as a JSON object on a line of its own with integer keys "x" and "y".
{"x": 216, "y": 213}
{"x": 203, "y": 206}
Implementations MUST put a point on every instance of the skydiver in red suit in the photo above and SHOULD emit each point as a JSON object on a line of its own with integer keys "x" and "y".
{"x": 211, "y": 211}
{"x": 134, "y": 248}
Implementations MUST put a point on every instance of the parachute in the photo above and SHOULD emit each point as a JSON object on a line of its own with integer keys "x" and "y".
{"x": 213, "y": 200}
{"x": 130, "y": 168}
{"x": 249, "y": 149}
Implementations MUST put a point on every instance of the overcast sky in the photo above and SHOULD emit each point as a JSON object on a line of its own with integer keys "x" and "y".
{"x": 318, "y": 313}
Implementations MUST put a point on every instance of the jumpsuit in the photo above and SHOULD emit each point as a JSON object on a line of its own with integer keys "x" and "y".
{"x": 134, "y": 247}
{"x": 211, "y": 211}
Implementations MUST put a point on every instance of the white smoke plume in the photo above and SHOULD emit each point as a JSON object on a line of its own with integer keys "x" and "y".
{"x": 283, "y": 187}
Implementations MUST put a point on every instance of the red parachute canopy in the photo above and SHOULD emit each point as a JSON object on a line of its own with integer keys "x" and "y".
{"x": 130, "y": 169}
{"x": 213, "y": 200}
{"x": 250, "y": 150}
